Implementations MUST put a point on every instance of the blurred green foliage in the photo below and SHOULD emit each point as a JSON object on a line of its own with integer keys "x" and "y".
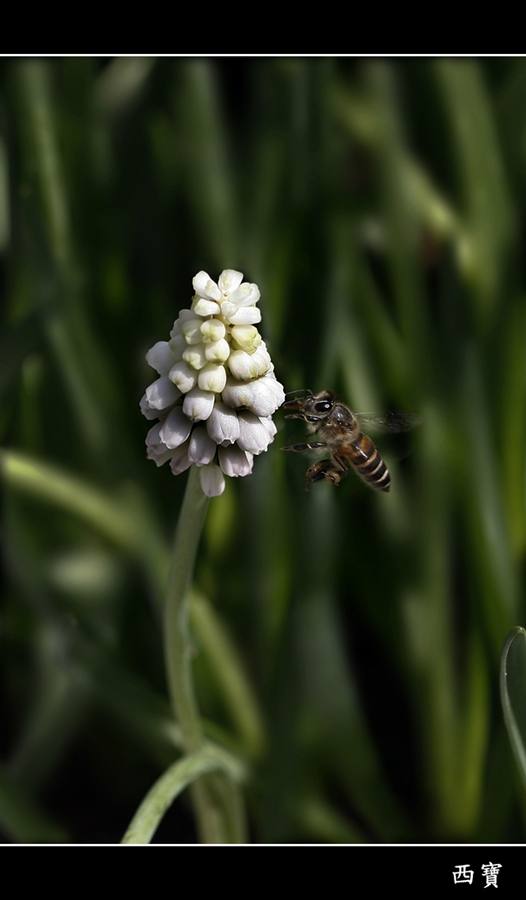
{"x": 347, "y": 644}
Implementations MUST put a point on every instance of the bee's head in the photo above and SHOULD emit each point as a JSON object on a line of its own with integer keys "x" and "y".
{"x": 309, "y": 406}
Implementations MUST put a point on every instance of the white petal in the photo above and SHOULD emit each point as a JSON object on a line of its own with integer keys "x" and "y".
{"x": 160, "y": 357}
{"x": 212, "y": 330}
{"x": 147, "y": 410}
{"x": 195, "y": 356}
{"x": 212, "y": 480}
{"x": 223, "y": 424}
{"x": 159, "y": 455}
{"x": 183, "y": 376}
{"x": 246, "y": 337}
{"x": 241, "y": 366}
{"x": 206, "y": 307}
{"x": 229, "y": 280}
{"x": 245, "y": 366}
{"x": 235, "y": 462}
{"x": 268, "y": 395}
{"x": 180, "y": 462}
{"x": 153, "y": 437}
{"x": 217, "y": 352}
{"x": 269, "y": 425}
{"x": 262, "y": 396}
{"x": 212, "y": 378}
{"x": 192, "y": 331}
{"x": 155, "y": 448}
{"x": 276, "y": 387}
{"x": 161, "y": 394}
{"x": 238, "y": 393}
{"x": 253, "y": 435}
{"x": 202, "y": 448}
{"x": 177, "y": 346}
{"x": 205, "y": 287}
{"x": 184, "y": 315}
{"x": 246, "y": 295}
{"x": 245, "y": 315}
{"x": 198, "y": 404}
{"x": 175, "y": 429}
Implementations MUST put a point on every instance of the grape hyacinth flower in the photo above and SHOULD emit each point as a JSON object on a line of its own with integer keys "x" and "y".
{"x": 216, "y": 391}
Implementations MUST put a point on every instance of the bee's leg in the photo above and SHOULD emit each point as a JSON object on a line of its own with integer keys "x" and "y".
{"x": 321, "y": 471}
{"x": 302, "y": 448}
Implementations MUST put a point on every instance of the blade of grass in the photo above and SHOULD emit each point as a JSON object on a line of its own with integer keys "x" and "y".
{"x": 22, "y": 820}
{"x": 85, "y": 369}
{"x": 489, "y": 543}
{"x": 222, "y": 656}
{"x": 207, "y": 176}
{"x": 513, "y": 695}
{"x": 481, "y": 179}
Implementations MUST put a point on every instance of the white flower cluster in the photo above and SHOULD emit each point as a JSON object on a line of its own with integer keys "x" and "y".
{"x": 216, "y": 390}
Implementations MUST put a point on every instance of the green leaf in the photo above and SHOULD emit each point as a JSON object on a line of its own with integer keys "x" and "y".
{"x": 513, "y": 694}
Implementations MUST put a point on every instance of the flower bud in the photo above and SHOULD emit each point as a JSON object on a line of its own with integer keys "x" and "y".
{"x": 192, "y": 331}
{"x": 229, "y": 281}
{"x": 148, "y": 411}
{"x": 212, "y": 378}
{"x": 262, "y": 396}
{"x": 244, "y": 315}
{"x": 195, "y": 356}
{"x": 267, "y": 422}
{"x": 175, "y": 429}
{"x": 201, "y": 449}
{"x": 205, "y": 307}
{"x": 160, "y": 357}
{"x": 161, "y": 394}
{"x": 217, "y": 352}
{"x": 183, "y": 376}
{"x": 177, "y": 346}
{"x": 156, "y": 450}
{"x": 245, "y": 366}
{"x": 212, "y": 480}
{"x": 179, "y": 462}
{"x": 223, "y": 424}
{"x": 253, "y": 435}
{"x": 245, "y": 295}
{"x": 212, "y": 330}
{"x": 205, "y": 287}
{"x": 246, "y": 337}
{"x": 198, "y": 404}
{"x": 235, "y": 462}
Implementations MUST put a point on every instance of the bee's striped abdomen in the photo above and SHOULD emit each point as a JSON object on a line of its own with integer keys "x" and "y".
{"x": 369, "y": 464}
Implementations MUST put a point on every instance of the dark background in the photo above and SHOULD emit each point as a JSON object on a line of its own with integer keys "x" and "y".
{"x": 379, "y": 205}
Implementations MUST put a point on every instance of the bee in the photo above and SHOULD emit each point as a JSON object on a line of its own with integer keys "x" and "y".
{"x": 342, "y": 436}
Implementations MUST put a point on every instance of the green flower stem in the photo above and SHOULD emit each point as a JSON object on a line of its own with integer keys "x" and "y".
{"x": 177, "y": 645}
{"x": 208, "y": 798}
{"x": 160, "y": 797}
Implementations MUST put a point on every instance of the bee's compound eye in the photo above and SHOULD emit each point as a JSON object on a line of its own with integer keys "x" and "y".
{"x": 323, "y": 406}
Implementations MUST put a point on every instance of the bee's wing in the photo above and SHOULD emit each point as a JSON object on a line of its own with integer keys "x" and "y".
{"x": 392, "y": 422}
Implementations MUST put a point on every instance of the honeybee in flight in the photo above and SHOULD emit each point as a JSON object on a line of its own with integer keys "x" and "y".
{"x": 342, "y": 436}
